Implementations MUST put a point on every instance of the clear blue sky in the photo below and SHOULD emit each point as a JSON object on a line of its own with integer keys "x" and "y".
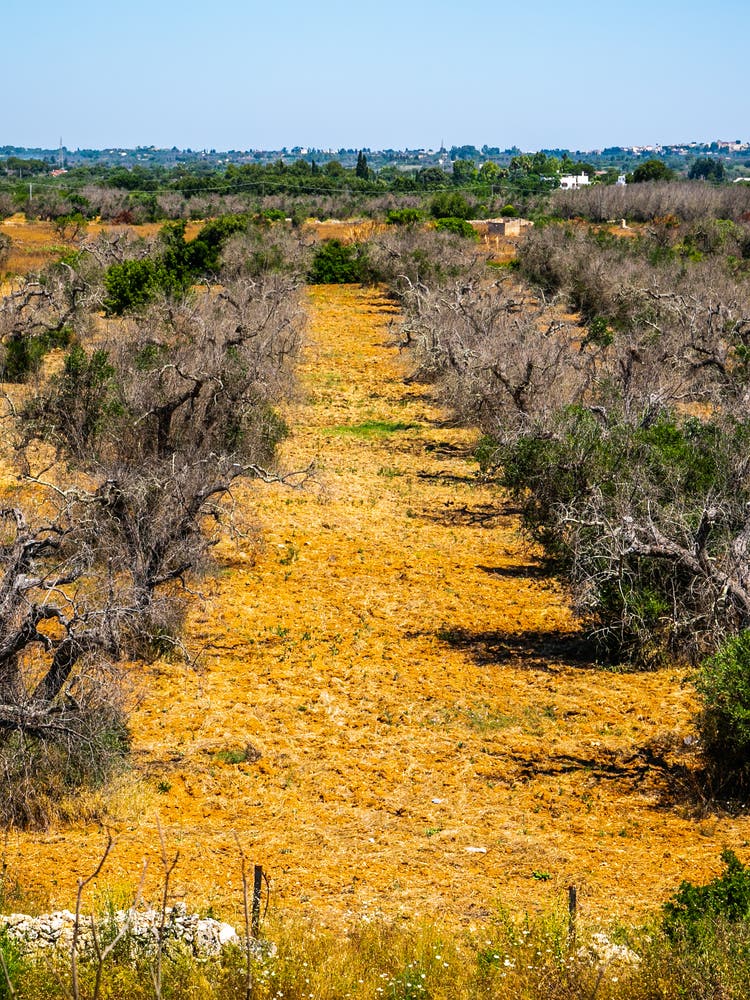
{"x": 324, "y": 73}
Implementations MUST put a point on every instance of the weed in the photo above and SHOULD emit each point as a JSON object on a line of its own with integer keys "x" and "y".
{"x": 485, "y": 721}
{"x": 243, "y": 755}
{"x": 289, "y": 555}
{"x": 12, "y": 966}
{"x": 371, "y": 428}
{"x": 379, "y": 960}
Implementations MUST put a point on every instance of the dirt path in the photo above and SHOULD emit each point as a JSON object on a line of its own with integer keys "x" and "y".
{"x": 386, "y": 709}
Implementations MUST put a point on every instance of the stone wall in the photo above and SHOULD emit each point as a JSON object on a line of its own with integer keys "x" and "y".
{"x": 204, "y": 936}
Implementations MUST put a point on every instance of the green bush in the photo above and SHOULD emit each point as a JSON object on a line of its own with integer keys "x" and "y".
{"x": 204, "y": 252}
{"x": 460, "y": 227}
{"x": 130, "y": 285}
{"x": 726, "y": 897}
{"x": 175, "y": 267}
{"x": 450, "y": 205}
{"x": 336, "y": 263}
{"x": 403, "y": 217}
{"x": 24, "y": 354}
{"x": 270, "y": 215}
{"x": 724, "y": 684}
{"x": 600, "y": 332}
{"x": 84, "y": 407}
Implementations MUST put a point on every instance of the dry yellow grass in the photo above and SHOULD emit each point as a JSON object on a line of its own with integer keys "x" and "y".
{"x": 392, "y": 659}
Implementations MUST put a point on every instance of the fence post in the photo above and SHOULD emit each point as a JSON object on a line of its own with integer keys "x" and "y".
{"x": 257, "y": 890}
{"x": 572, "y": 908}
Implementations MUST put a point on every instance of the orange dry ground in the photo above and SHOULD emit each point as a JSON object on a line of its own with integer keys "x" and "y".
{"x": 391, "y": 654}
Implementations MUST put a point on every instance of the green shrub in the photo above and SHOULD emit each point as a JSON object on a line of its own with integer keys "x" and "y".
{"x": 86, "y": 402}
{"x": 270, "y": 215}
{"x": 175, "y": 267}
{"x": 130, "y": 285}
{"x": 24, "y": 354}
{"x": 404, "y": 217}
{"x": 724, "y": 684}
{"x": 460, "y": 227}
{"x": 599, "y": 332}
{"x": 486, "y": 453}
{"x": 450, "y": 205}
{"x": 726, "y": 897}
{"x": 203, "y": 254}
{"x": 336, "y": 263}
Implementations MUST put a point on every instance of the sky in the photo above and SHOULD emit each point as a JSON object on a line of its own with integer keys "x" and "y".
{"x": 536, "y": 74}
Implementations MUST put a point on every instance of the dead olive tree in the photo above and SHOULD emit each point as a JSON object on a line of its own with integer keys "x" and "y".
{"x": 497, "y": 358}
{"x": 163, "y": 418}
{"x": 154, "y": 425}
{"x": 61, "y": 715}
{"x": 624, "y": 441}
{"x": 412, "y": 261}
{"x": 47, "y": 310}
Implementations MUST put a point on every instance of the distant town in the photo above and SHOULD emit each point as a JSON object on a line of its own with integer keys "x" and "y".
{"x": 734, "y": 153}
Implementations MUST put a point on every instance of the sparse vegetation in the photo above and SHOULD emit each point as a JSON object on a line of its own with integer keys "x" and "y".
{"x": 622, "y": 440}
{"x": 375, "y": 958}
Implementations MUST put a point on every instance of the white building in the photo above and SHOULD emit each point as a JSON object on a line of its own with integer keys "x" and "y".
{"x": 570, "y": 182}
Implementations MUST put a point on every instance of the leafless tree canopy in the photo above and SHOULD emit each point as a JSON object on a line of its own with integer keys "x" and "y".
{"x": 622, "y": 430}
{"x": 131, "y": 444}
{"x": 686, "y": 200}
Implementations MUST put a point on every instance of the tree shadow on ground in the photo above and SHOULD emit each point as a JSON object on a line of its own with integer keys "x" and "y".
{"x": 447, "y": 449}
{"x": 518, "y": 571}
{"x": 451, "y": 514}
{"x": 668, "y": 768}
{"x": 446, "y": 477}
{"x": 535, "y": 649}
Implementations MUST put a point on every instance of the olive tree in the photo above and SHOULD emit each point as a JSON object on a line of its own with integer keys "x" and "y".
{"x": 130, "y": 450}
{"x": 623, "y": 438}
